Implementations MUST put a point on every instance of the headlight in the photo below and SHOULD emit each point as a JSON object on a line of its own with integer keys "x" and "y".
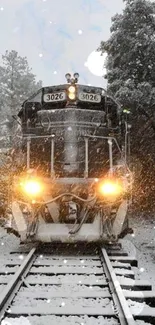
{"x": 32, "y": 187}
{"x": 110, "y": 188}
{"x": 72, "y": 92}
{"x": 71, "y": 89}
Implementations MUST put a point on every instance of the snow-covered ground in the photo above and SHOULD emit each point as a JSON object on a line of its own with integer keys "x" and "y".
{"x": 141, "y": 244}
{"x": 8, "y": 242}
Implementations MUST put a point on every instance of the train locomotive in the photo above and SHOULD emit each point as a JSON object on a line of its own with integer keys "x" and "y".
{"x": 71, "y": 181}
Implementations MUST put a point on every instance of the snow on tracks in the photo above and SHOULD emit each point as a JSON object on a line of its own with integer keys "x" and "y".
{"x": 75, "y": 287}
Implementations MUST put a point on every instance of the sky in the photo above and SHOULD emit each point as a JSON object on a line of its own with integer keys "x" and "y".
{"x": 57, "y": 36}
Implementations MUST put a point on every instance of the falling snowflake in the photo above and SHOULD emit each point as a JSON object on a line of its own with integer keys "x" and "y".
{"x": 69, "y": 128}
{"x": 40, "y": 55}
{"x": 63, "y": 304}
{"x": 65, "y": 261}
{"x": 21, "y": 257}
{"x": 2, "y": 8}
{"x": 80, "y": 32}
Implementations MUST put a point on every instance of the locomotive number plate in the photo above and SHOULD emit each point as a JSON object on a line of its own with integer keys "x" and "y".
{"x": 54, "y": 97}
{"x": 88, "y": 97}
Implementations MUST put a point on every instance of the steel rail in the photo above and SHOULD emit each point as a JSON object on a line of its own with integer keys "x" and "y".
{"x": 15, "y": 283}
{"x": 124, "y": 314}
{"x": 120, "y": 306}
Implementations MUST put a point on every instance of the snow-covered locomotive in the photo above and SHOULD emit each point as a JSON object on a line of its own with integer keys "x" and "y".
{"x": 71, "y": 182}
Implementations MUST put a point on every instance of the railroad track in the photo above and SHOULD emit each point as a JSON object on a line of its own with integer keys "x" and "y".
{"x": 73, "y": 285}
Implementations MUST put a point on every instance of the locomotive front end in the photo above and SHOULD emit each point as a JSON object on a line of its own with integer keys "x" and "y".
{"x": 72, "y": 182}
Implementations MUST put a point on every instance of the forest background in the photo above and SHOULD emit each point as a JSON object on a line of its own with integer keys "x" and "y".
{"x": 130, "y": 67}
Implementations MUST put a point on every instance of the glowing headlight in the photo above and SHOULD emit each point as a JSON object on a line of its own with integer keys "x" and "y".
{"x": 71, "y": 96}
{"x": 32, "y": 187}
{"x": 110, "y": 188}
{"x": 71, "y": 89}
{"x": 71, "y": 92}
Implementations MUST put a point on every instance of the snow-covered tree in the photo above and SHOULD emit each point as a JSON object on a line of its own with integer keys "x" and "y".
{"x": 131, "y": 56}
{"x": 17, "y": 83}
{"x": 131, "y": 79}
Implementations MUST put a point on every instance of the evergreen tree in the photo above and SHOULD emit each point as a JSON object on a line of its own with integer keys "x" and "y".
{"x": 131, "y": 56}
{"x": 17, "y": 83}
{"x": 131, "y": 79}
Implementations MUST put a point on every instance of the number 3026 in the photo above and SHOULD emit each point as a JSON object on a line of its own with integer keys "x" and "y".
{"x": 90, "y": 97}
{"x": 54, "y": 97}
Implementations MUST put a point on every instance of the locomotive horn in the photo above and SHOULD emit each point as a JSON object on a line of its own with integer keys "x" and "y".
{"x": 76, "y": 76}
{"x": 68, "y": 77}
